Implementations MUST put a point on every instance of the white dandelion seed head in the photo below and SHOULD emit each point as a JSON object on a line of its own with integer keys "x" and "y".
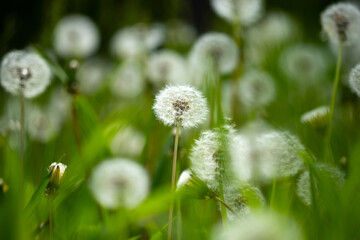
{"x": 303, "y": 189}
{"x": 276, "y": 29}
{"x": 128, "y": 80}
{"x": 179, "y": 33}
{"x": 245, "y": 12}
{"x": 184, "y": 178}
{"x": 264, "y": 156}
{"x": 167, "y": 67}
{"x": 76, "y": 36}
{"x": 26, "y": 72}
{"x": 135, "y": 41}
{"x": 256, "y": 89}
{"x": 182, "y": 105}
{"x": 41, "y": 125}
{"x": 128, "y": 142}
{"x": 341, "y": 23}
{"x": 304, "y": 63}
{"x": 317, "y": 117}
{"x": 91, "y": 75}
{"x": 119, "y": 182}
{"x": 354, "y": 80}
{"x": 260, "y": 225}
{"x": 214, "y": 50}
{"x": 62, "y": 167}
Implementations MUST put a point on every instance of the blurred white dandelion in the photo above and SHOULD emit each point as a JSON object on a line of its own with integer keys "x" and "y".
{"x": 92, "y": 75}
{"x": 128, "y": 142}
{"x": 341, "y": 23}
{"x": 261, "y": 157}
{"x": 24, "y": 72}
{"x": 213, "y": 52}
{"x": 354, "y": 80}
{"x": 245, "y": 12}
{"x": 256, "y": 89}
{"x": 118, "y": 183}
{"x": 317, "y": 118}
{"x": 180, "y": 105}
{"x": 128, "y": 81}
{"x": 304, "y": 63}
{"x": 76, "y": 36}
{"x": 167, "y": 67}
{"x": 260, "y": 225}
{"x": 304, "y": 184}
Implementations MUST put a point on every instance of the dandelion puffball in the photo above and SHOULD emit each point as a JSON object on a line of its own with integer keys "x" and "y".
{"x": 167, "y": 67}
{"x": 341, "y": 23}
{"x": 76, "y": 36}
{"x": 264, "y": 156}
{"x": 24, "y": 72}
{"x": 118, "y": 183}
{"x": 214, "y": 50}
{"x": 128, "y": 142}
{"x": 354, "y": 80}
{"x": 244, "y": 12}
{"x": 256, "y": 89}
{"x": 180, "y": 105}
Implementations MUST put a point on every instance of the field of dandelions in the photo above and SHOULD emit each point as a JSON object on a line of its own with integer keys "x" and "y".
{"x": 246, "y": 131}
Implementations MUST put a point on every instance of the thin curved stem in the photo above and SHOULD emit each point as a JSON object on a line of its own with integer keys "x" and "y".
{"x": 51, "y": 215}
{"x": 173, "y": 173}
{"x": 223, "y": 204}
{"x": 328, "y": 152}
{"x": 226, "y": 205}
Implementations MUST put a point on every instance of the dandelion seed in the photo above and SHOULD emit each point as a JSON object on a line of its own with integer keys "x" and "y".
{"x": 181, "y": 105}
{"x": 76, "y": 36}
{"x": 317, "y": 118}
{"x": 128, "y": 142}
{"x": 213, "y": 50}
{"x": 304, "y": 183}
{"x": 57, "y": 173}
{"x": 118, "y": 183}
{"x": 24, "y": 72}
{"x": 264, "y": 156}
{"x": 354, "y": 80}
{"x": 304, "y": 63}
{"x": 341, "y": 23}
{"x": 167, "y": 67}
{"x": 256, "y": 89}
{"x": 128, "y": 80}
{"x": 92, "y": 75}
{"x": 260, "y": 225}
{"x": 245, "y": 12}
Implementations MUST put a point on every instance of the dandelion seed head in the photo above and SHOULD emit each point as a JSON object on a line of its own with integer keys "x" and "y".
{"x": 303, "y": 189}
{"x": 260, "y": 225}
{"x": 119, "y": 182}
{"x": 128, "y": 142}
{"x": 26, "y": 72}
{"x": 341, "y": 23}
{"x": 214, "y": 50}
{"x": 182, "y": 105}
{"x": 256, "y": 89}
{"x": 92, "y": 74}
{"x": 354, "y": 80}
{"x": 245, "y": 12}
{"x": 167, "y": 67}
{"x": 76, "y": 36}
{"x": 317, "y": 118}
{"x": 128, "y": 80}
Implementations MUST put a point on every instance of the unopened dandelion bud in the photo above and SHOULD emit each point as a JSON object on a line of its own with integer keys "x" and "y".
{"x": 317, "y": 118}
{"x": 57, "y": 171}
{"x": 3, "y": 186}
{"x": 190, "y": 185}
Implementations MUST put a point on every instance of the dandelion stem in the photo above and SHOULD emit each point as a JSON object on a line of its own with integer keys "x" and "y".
{"x": 22, "y": 137}
{"x": 171, "y": 209}
{"x": 273, "y": 191}
{"x": 75, "y": 125}
{"x": 222, "y": 206}
{"x": 51, "y": 215}
{"x": 220, "y": 116}
{"x": 328, "y": 152}
{"x": 226, "y": 205}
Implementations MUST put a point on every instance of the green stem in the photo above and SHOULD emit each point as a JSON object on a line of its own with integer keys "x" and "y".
{"x": 22, "y": 137}
{"x": 328, "y": 152}
{"x": 75, "y": 125}
{"x": 171, "y": 209}
{"x": 226, "y": 205}
{"x": 51, "y": 215}
{"x": 273, "y": 191}
{"x": 219, "y": 113}
{"x": 222, "y": 206}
